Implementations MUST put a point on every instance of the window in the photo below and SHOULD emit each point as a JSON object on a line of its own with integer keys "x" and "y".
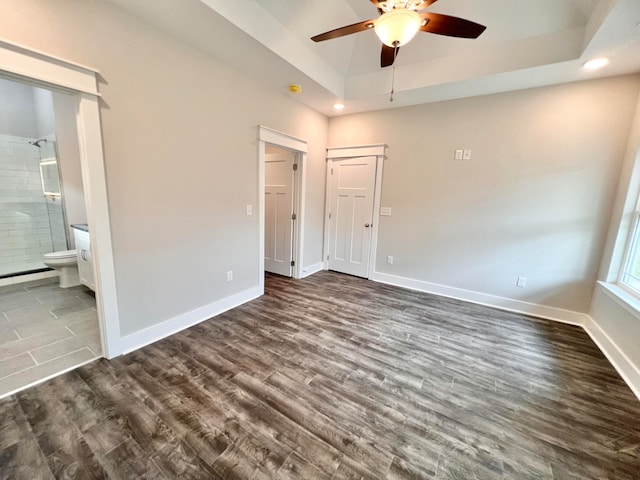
{"x": 631, "y": 271}
{"x": 630, "y": 275}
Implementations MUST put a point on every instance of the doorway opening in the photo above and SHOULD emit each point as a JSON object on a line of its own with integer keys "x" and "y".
{"x": 77, "y": 86}
{"x": 281, "y": 193}
{"x": 51, "y": 318}
{"x": 280, "y": 182}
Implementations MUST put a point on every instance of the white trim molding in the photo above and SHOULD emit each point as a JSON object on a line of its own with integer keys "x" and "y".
{"x": 502, "y": 303}
{"x": 154, "y": 333}
{"x": 31, "y": 64}
{"x": 311, "y": 269}
{"x": 629, "y": 372}
{"x": 374, "y": 150}
{"x": 622, "y": 297}
{"x": 281, "y": 139}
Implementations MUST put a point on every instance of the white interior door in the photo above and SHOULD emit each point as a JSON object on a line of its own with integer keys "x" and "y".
{"x": 351, "y": 215}
{"x": 278, "y": 193}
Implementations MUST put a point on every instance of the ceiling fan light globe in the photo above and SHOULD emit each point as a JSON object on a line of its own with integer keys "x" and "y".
{"x": 397, "y": 27}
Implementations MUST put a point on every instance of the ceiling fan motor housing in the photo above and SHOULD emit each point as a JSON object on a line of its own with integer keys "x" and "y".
{"x": 398, "y": 26}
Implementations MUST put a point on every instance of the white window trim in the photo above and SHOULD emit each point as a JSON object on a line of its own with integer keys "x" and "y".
{"x": 40, "y": 69}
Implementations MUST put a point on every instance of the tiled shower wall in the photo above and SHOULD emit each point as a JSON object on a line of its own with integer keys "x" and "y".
{"x": 25, "y": 233}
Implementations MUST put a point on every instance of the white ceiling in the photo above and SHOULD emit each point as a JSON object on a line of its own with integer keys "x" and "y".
{"x": 527, "y": 43}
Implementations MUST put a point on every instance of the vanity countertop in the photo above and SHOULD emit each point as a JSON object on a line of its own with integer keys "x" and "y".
{"x": 81, "y": 226}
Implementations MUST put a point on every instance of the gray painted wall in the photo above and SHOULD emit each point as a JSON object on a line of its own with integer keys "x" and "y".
{"x": 534, "y": 200}
{"x": 180, "y": 143}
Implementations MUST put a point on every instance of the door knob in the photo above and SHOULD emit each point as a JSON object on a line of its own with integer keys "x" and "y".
{"x": 366, "y": 225}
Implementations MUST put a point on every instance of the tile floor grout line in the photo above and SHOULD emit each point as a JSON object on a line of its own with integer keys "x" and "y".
{"x": 33, "y": 358}
{"x": 55, "y": 343}
{"x": 43, "y": 363}
{"x": 12, "y": 357}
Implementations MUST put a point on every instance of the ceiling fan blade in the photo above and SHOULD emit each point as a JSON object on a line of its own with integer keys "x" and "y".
{"x": 451, "y": 26}
{"x": 388, "y": 55}
{"x": 342, "y": 31}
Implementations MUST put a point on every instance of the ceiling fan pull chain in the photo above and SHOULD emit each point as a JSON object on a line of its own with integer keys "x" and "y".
{"x": 393, "y": 80}
{"x": 393, "y": 73}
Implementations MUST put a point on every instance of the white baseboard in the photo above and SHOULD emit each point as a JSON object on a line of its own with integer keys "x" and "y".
{"x": 311, "y": 269}
{"x": 616, "y": 356}
{"x": 502, "y": 303}
{"x": 157, "y": 332}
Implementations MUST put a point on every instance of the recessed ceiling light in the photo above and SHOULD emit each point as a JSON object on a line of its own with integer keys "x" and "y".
{"x": 595, "y": 63}
{"x": 338, "y": 106}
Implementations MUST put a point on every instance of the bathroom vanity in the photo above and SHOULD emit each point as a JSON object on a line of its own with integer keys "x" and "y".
{"x": 85, "y": 262}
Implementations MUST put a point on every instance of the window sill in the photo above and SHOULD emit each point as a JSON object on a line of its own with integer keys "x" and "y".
{"x": 622, "y": 297}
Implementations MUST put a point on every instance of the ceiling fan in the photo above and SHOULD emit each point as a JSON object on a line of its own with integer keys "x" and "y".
{"x": 398, "y": 23}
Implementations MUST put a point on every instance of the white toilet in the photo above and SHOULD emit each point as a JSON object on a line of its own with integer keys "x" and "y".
{"x": 66, "y": 262}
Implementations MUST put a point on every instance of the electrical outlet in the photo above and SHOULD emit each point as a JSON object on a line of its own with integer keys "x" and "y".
{"x": 229, "y": 275}
{"x": 466, "y": 155}
{"x": 390, "y": 260}
{"x": 521, "y": 282}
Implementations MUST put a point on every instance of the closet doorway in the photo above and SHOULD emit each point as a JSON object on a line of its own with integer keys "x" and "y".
{"x": 281, "y": 193}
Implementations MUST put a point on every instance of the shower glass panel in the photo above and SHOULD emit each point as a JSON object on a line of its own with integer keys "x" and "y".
{"x": 52, "y": 190}
{"x": 32, "y": 223}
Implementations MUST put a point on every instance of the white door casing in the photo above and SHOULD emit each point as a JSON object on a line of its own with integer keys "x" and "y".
{"x": 278, "y": 205}
{"x": 351, "y": 215}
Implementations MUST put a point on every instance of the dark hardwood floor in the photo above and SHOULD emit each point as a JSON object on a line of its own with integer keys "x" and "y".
{"x": 336, "y": 377}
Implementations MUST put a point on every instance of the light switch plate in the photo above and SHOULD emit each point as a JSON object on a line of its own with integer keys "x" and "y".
{"x": 458, "y": 155}
{"x": 385, "y": 211}
{"x": 249, "y": 210}
{"x": 467, "y": 155}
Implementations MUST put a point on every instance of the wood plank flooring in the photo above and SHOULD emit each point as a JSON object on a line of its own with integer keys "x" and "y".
{"x": 334, "y": 377}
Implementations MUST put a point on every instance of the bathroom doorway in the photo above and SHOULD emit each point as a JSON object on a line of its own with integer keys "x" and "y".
{"x": 46, "y": 329}
{"x": 33, "y": 215}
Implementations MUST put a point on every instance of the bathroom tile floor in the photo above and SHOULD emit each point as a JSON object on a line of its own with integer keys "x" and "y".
{"x": 45, "y": 329}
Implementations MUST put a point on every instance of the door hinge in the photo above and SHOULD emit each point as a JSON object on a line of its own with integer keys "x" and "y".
{"x": 332, "y": 171}
{"x": 329, "y": 214}
{"x": 327, "y": 257}
{"x": 293, "y": 216}
{"x": 295, "y": 167}
{"x": 293, "y": 263}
